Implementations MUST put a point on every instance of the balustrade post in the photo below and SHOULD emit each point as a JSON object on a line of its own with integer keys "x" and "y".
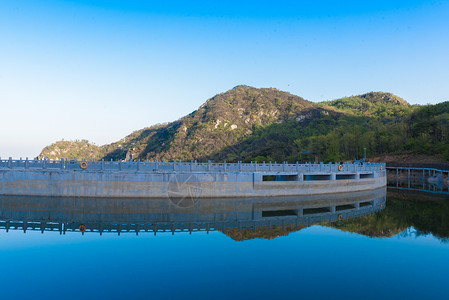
{"x": 408, "y": 177}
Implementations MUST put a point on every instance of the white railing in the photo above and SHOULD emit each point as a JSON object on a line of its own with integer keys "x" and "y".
{"x": 193, "y": 166}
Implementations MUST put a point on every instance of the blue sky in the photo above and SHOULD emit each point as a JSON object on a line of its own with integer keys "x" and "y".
{"x": 100, "y": 69}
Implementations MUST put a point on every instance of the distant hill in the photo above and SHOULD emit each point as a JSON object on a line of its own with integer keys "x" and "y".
{"x": 71, "y": 150}
{"x": 267, "y": 124}
{"x": 371, "y": 104}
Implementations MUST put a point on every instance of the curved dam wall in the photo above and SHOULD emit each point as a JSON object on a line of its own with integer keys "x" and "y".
{"x": 181, "y": 180}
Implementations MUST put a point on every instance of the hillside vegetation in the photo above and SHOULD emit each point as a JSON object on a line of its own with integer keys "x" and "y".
{"x": 249, "y": 124}
{"x": 72, "y": 150}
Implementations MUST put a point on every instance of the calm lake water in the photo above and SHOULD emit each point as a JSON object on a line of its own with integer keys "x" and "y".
{"x": 238, "y": 249}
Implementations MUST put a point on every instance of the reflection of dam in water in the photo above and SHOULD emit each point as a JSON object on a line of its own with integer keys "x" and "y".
{"x": 136, "y": 215}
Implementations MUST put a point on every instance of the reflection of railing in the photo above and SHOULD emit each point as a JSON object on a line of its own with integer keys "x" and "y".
{"x": 193, "y": 166}
{"x": 418, "y": 179}
{"x": 173, "y": 227}
{"x": 63, "y": 214}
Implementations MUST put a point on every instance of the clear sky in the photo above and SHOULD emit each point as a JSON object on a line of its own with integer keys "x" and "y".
{"x": 99, "y": 70}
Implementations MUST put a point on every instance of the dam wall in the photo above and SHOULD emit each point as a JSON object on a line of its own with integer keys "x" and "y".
{"x": 181, "y": 180}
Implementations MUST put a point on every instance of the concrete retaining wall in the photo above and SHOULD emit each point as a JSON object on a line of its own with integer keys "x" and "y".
{"x": 91, "y": 183}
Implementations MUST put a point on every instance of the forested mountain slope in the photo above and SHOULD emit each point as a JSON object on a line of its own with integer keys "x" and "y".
{"x": 247, "y": 124}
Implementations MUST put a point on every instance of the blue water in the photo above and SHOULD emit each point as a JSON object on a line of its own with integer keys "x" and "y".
{"x": 315, "y": 262}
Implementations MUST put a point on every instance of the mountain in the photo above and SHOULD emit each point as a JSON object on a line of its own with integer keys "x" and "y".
{"x": 223, "y": 121}
{"x": 267, "y": 124}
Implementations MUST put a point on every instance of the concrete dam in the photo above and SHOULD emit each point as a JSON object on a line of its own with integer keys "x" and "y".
{"x": 184, "y": 180}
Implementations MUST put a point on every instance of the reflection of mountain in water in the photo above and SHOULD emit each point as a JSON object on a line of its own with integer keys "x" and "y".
{"x": 234, "y": 216}
{"x": 239, "y": 218}
{"x": 427, "y": 213}
{"x": 261, "y": 233}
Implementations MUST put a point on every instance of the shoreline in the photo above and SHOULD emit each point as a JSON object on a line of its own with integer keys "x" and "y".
{"x": 411, "y": 160}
